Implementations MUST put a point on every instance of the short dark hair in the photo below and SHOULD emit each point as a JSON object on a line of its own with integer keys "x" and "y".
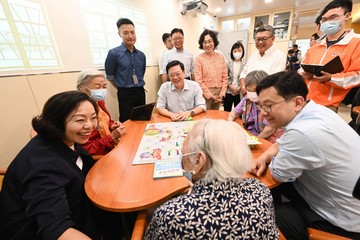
{"x": 212, "y": 34}
{"x": 295, "y": 45}
{"x": 123, "y": 21}
{"x": 174, "y": 63}
{"x": 50, "y": 124}
{"x": 165, "y": 36}
{"x": 291, "y": 51}
{"x": 344, "y": 4}
{"x": 318, "y": 19}
{"x": 175, "y": 30}
{"x": 288, "y": 84}
{"x": 315, "y": 35}
{"x": 238, "y": 44}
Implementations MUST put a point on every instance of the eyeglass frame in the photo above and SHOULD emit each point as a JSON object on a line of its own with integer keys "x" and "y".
{"x": 177, "y": 39}
{"x": 332, "y": 18}
{"x": 263, "y": 39}
{"x": 269, "y": 106}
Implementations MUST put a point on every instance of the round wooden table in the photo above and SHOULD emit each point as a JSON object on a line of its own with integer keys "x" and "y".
{"x": 114, "y": 184}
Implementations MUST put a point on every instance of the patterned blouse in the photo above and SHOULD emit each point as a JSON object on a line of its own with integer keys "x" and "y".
{"x": 217, "y": 210}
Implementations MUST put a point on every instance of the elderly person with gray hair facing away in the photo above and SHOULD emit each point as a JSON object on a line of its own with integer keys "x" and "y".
{"x": 106, "y": 136}
{"x": 248, "y": 108}
{"x": 221, "y": 203}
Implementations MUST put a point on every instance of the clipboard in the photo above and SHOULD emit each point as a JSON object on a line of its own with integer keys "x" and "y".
{"x": 333, "y": 66}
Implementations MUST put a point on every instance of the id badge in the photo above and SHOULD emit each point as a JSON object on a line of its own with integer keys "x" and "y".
{"x": 135, "y": 79}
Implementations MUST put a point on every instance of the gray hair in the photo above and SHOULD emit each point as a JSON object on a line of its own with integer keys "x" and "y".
{"x": 255, "y": 77}
{"x": 264, "y": 28}
{"x": 86, "y": 75}
{"x": 225, "y": 146}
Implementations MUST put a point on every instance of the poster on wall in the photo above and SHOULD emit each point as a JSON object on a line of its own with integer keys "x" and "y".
{"x": 281, "y": 25}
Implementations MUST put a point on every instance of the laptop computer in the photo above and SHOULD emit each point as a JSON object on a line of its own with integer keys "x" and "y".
{"x": 142, "y": 113}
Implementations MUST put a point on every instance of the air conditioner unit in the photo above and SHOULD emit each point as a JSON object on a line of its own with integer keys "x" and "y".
{"x": 193, "y": 6}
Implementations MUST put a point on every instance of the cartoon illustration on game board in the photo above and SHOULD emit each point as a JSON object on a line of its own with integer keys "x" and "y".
{"x": 162, "y": 141}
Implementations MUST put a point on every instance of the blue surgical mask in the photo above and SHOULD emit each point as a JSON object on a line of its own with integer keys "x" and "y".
{"x": 98, "y": 94}
{"x": 330, "y": 27}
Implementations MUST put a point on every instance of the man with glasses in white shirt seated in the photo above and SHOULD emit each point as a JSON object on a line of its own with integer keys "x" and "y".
{"x": 179, "y": 99}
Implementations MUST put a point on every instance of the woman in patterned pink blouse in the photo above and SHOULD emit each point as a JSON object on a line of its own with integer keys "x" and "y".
{"x": 211, "y": 71}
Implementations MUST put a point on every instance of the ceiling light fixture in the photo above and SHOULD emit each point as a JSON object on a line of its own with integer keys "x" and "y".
{"x": 267, "y": 1}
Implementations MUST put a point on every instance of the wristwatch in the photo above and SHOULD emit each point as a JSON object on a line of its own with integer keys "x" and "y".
{"x": 192, "y": 113}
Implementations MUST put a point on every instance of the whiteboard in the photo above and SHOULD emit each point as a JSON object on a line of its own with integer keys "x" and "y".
{"x": 229, "y": 38}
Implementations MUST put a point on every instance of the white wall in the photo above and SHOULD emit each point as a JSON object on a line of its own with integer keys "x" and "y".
{"x": 22, "y": 97}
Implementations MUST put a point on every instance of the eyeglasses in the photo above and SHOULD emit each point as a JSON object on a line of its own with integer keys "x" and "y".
{"x": 263, "y": 39}
{"x": 177, "y": 39}
{"x": 331, "y": 18}
{"x": 188, "y": 154}
{"x": 208, "y": 42}
{"x": 177, "y": 74}
{"x": 268, "y": 108}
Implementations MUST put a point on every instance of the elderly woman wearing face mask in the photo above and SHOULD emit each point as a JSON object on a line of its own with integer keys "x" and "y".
{"x": 221, "y": 204}
{"x": 248, "y": 108}
{"x": 106, "y": 136}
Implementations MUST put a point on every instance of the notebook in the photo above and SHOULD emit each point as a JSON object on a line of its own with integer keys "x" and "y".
{"x": 142, "y": 113}
{"x": 333, "y": 66}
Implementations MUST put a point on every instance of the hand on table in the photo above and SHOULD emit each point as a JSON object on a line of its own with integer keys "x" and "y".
{"x": 258, "y": 166}
{"x": 180, "y": 116}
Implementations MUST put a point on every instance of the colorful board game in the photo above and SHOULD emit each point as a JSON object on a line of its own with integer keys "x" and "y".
{"x": 162, "y": 141}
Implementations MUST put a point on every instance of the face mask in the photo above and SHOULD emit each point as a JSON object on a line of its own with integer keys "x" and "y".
{"x": 252, "y": 96}
{"x": 98, "y": 94}
{"x": 330, "y": 27}
{"x": 237, "y": 55}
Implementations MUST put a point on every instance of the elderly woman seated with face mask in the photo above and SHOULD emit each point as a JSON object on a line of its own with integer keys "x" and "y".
{"x": 248, "y": 107}
{"x": 221, "y": 204}
{"x": 106, "y": 136}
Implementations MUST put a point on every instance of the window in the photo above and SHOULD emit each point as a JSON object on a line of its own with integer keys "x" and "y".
{"x": 227, "y": 26}
{"x": 243, "y": 24}
{"x": 25, "y": 39}
{"x": 100, "y": 19}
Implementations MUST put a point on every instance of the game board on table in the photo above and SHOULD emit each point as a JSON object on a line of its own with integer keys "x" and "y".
{"x": 162, "y": 141}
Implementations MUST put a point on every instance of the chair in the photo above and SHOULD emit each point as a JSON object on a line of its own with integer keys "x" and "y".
{"x": 2, "y": 174}
{"x": 281, "y": 236}
{"x": 315, "y": 234}
{"x": 140, "y": 225}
